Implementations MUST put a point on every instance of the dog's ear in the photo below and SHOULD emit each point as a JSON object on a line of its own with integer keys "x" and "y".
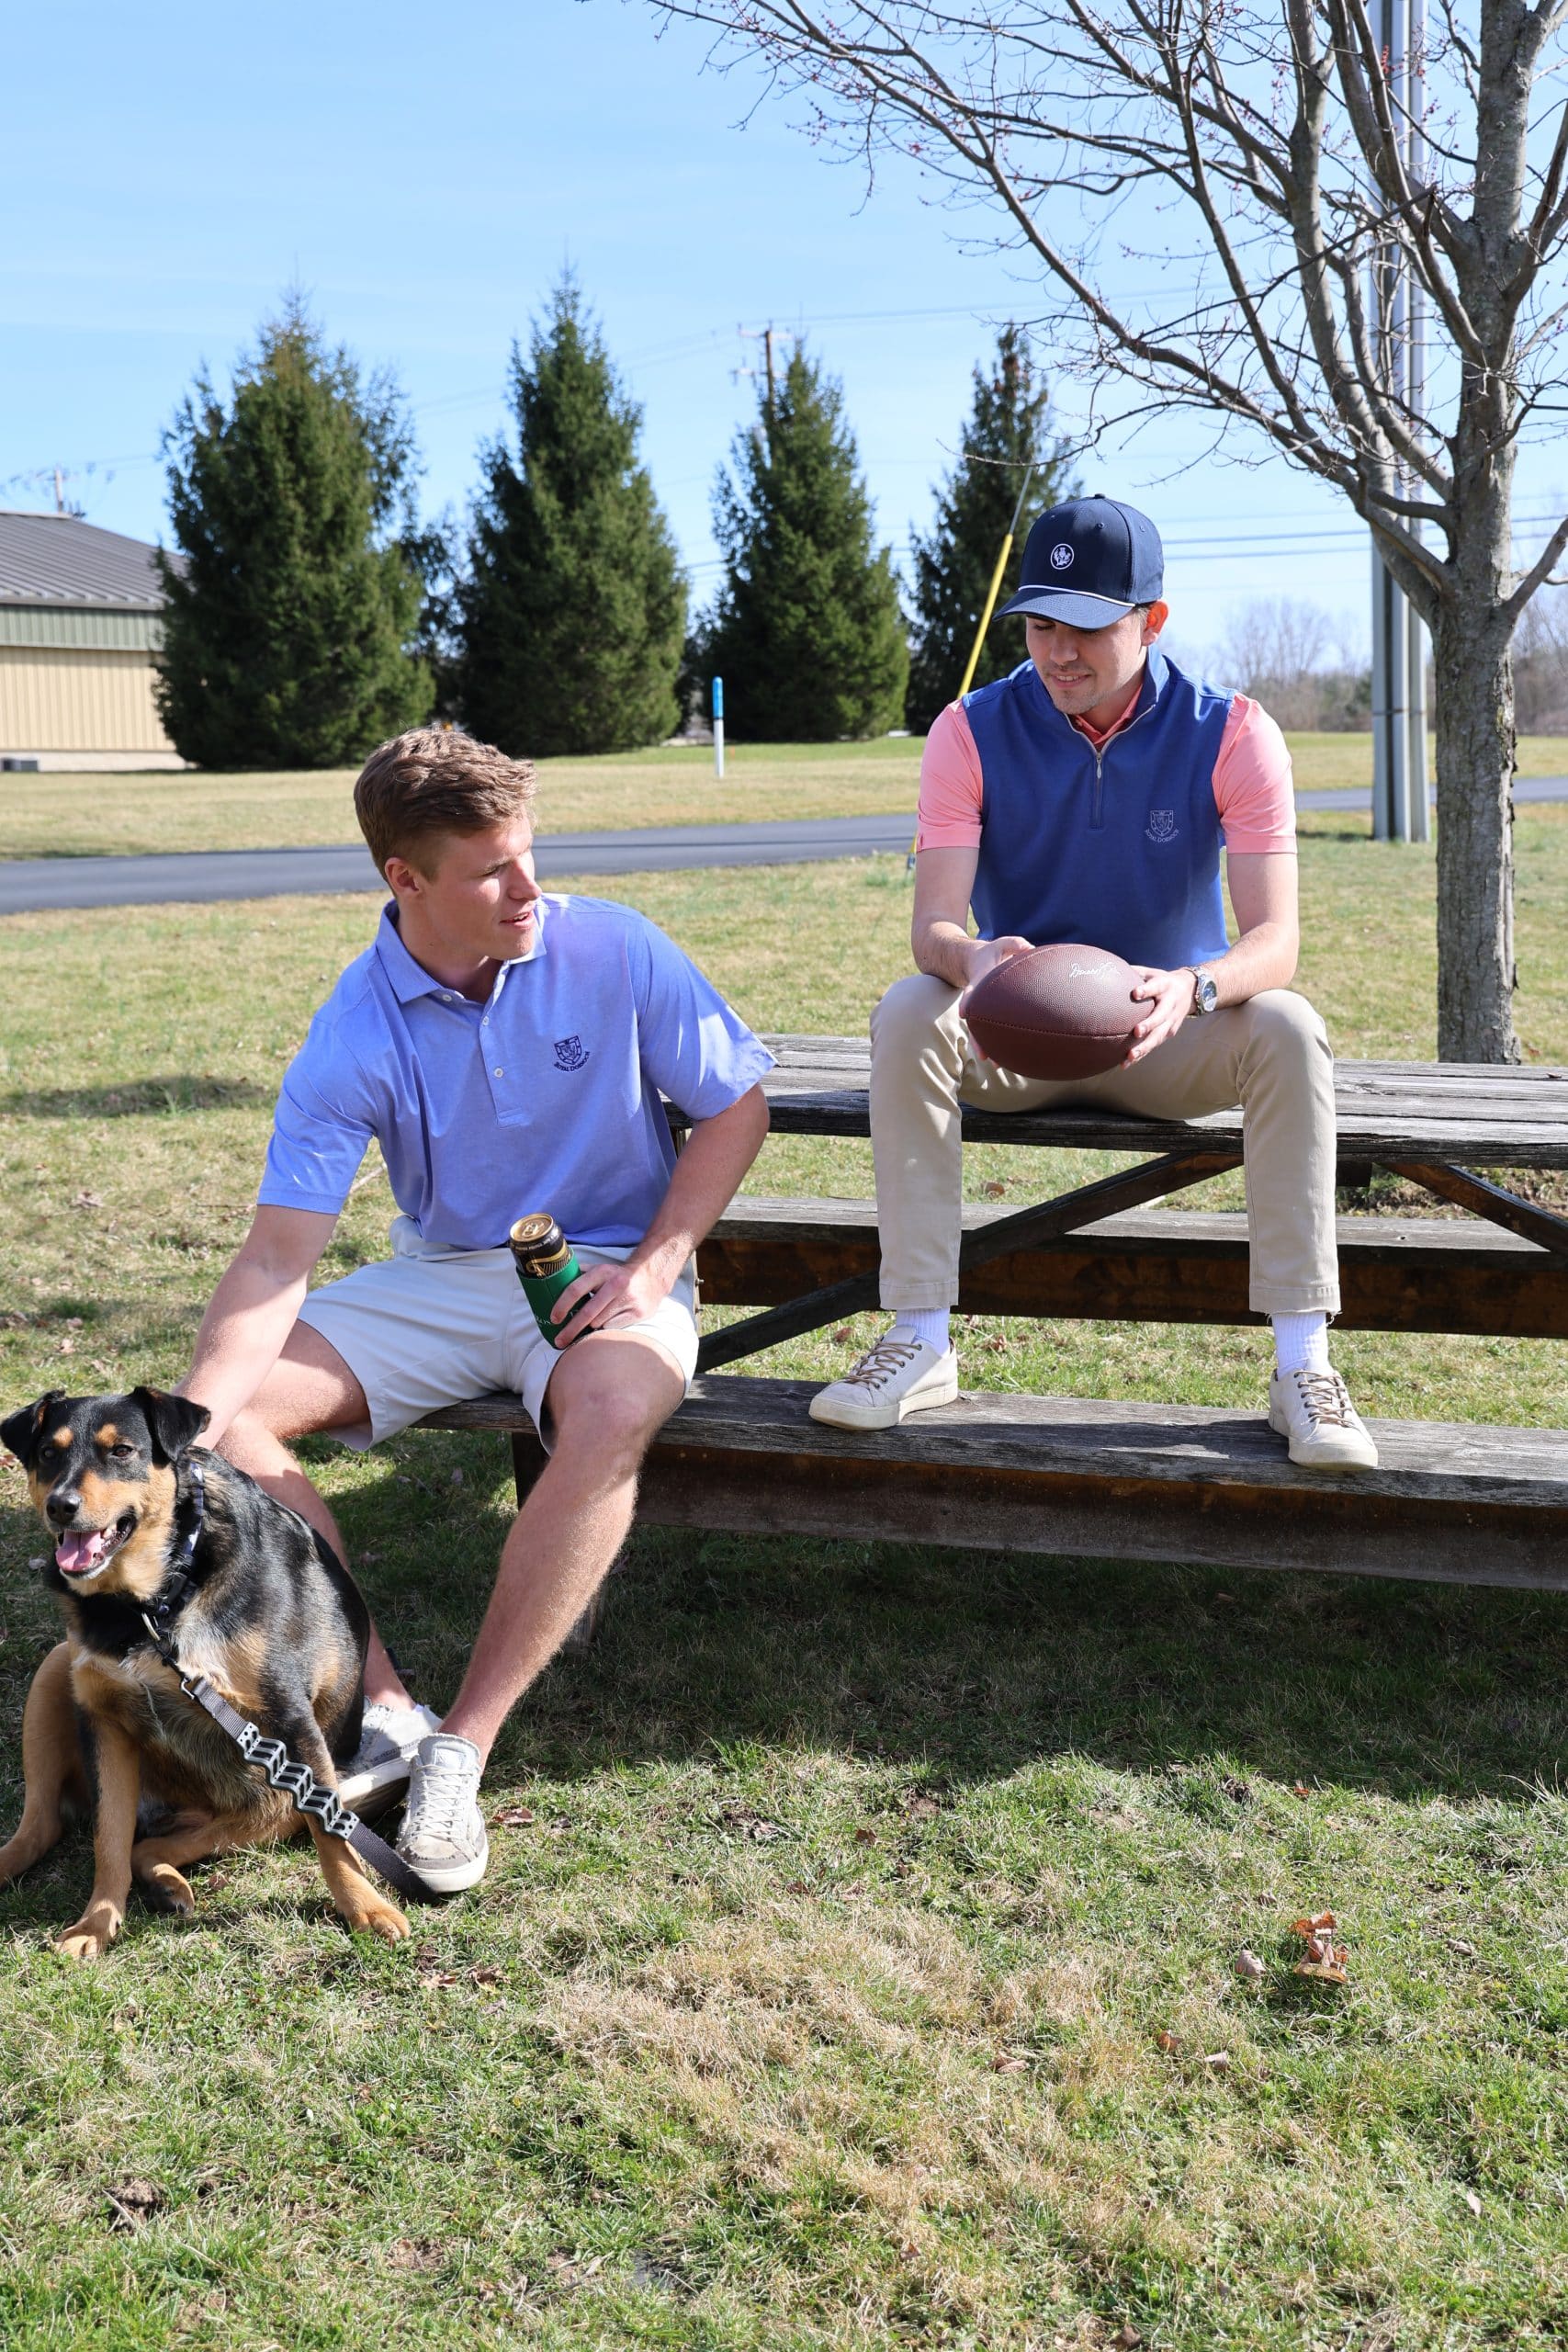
{"x": 174, "y": 1422}
{"x": 19, "y": 1431}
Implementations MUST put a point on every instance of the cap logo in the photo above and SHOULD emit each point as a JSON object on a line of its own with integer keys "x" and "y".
{"x": 1061, "y": 556}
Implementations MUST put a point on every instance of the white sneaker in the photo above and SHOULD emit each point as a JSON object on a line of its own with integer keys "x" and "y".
{"x": 443, "y": 1836}
{"x": 898, "y": 1376}
{"x": 1313, "y": 1410}
{"x": 390, "y": 1734}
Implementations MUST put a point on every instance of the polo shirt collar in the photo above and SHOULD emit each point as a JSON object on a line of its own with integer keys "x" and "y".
{"x": 409, "y": 979}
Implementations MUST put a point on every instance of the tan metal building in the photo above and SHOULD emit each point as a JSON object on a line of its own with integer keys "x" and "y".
{"x": 79, "y": 617}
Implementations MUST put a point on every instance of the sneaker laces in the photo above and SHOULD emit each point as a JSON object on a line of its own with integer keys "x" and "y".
{"x": 1325, "y": 1397}
{"x": 439, "y": 1798}
{"x": 883, "y": 1361}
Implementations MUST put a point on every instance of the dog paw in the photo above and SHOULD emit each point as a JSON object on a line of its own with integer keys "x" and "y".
{"x": 377, "y": 1919}
{"x": 166, "y": 1890}
{"x": 85, "y": 1941}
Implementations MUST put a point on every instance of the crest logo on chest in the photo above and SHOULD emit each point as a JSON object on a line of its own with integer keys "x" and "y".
{"x": 570, "y": 1053}
{"x": 1161, "y": 826}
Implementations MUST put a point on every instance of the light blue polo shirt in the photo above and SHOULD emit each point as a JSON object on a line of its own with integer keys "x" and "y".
{"x": 547, "y": 1096}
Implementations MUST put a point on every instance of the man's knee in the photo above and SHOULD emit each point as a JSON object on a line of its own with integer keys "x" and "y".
{"x": 912, "y": 1010}
{"x": 1284, "y": 1025}
{"x": 614, "y": 1403}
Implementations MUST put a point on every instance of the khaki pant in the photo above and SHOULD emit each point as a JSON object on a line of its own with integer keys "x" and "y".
{"x": 1270, "y": 1055}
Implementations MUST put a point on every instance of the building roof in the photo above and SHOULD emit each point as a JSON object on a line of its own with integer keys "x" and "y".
{"x": 59, "y": 559}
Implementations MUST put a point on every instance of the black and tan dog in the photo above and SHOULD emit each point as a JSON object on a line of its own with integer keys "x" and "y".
{"x": 274, "y": 1623}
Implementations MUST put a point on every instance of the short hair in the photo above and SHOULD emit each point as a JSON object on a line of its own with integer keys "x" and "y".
{"x": 436, "y": 780}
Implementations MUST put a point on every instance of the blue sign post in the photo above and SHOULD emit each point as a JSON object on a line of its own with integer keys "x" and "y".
{"x": 719, "y": 727}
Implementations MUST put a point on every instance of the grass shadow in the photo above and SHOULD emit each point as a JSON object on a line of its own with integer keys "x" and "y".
{"x": 136, "y": 1098}
{"x": 972, "y": 1665}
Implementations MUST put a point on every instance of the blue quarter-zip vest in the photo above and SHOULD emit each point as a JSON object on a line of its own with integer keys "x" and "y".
{"x": 1119, "y": 848}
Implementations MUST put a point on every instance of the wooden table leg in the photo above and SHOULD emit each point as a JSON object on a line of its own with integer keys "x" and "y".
{"x": 1047, "y": 1221}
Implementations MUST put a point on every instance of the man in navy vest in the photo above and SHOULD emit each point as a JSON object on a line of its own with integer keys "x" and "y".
{"x": 1087, "y": 797}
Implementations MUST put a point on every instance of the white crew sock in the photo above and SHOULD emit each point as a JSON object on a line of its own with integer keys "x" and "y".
{"x": 1300, "y": 1343}
{"x": 927, "y": 1323}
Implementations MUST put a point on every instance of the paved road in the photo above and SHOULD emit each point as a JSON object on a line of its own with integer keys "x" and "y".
{"x": 200, "y": 875}
{"x": 190, "y": 875}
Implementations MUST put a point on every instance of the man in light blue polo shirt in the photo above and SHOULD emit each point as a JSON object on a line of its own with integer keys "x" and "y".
{"x": 507, "y": 1051}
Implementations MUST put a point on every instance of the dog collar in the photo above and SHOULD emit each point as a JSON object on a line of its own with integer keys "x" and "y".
{"x": 179, "y": 1585}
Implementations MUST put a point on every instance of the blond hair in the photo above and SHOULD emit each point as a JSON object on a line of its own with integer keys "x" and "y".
{"x": 436, "y": 780}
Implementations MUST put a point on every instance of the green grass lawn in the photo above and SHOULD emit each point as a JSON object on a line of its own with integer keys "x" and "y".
{"x": 856, "y": 1962}
{"x": 60, "y": 815}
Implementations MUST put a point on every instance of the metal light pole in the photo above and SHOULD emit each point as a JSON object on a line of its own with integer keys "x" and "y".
{"x": 1399, "y": 652}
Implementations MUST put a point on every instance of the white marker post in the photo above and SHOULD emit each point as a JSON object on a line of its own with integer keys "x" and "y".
{"x": 719, "y": 727}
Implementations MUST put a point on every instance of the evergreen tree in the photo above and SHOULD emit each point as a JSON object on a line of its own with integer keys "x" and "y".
{"x": 572, "y": 607}
{"x": 807, "y": 633}
{"x": 1006, "y": 432}
{"x": 289, "y": 627}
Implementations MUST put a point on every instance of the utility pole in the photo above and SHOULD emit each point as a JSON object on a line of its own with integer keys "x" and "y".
{"x": 1399, "y": 652}
{"x": 765, "y": 336}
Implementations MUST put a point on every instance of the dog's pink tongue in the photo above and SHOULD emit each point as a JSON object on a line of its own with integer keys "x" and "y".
{"x": 75, "y": 1554}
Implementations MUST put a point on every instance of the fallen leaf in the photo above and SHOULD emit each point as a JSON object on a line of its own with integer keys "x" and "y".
{"x": 922, "y": 1808}
{"x": 1327, "y": 1972}
{"x": 994, "y": 1191}
{"x": 1324, "y": 1958}
{"x": 89, "y": 1201}
{"x": 1227, "y": 1600}
{"x": 484, "y": 1975}
{"x": 1128, "y": 2336}
{"x": 1473, "y": 2201}
{"x": 511, "y": 1817}
{"x": 1248, "y": 1964}
{"x": 133, "y": 2204}
{"x": 1166, "y": 2041}
{"x": 457, "y": 1479}
{"x": 1219, "y": 2060}
{"x": 1457, "y": 1944}
{"x": 1300, "y": 1788}
{"x": 842, "y": 1335}
{"x": 866, "y": 1837}
{"x": 1009, "y": 2064}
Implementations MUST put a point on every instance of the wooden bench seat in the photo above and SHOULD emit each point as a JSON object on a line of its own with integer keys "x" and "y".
{"x": 1161, "y": 1265}
{"x": 1074, "y": 1477}
{"x": 1054, "y": 1475}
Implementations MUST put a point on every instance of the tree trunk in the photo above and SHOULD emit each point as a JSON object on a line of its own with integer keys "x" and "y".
{"x": 1474, "y": 671}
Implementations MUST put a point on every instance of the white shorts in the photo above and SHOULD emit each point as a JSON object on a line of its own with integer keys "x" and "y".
{"x": 429, "y": 1327}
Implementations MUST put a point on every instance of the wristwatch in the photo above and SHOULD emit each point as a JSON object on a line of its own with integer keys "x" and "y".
{"x": 1206, "y": 995}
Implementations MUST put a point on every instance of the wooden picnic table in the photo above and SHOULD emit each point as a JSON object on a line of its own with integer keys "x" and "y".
{"x": 1431, "y": 1122}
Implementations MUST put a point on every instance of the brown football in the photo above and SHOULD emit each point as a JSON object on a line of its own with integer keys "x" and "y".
{"x": 1065, "y": 1012}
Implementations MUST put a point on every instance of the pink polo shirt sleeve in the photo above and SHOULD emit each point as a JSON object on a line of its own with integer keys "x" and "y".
{"x": 1253, "y": 788}
{"x": 950, "y": 784}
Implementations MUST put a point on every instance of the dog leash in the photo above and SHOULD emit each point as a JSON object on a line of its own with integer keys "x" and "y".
{"x": 283, "y": 1771}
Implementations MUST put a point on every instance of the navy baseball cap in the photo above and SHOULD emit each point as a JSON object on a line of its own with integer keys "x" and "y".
{"x": 1088, "y": 563}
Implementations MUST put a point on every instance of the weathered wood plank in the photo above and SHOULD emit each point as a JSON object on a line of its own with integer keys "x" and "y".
{"x": 1166, "y": 1266}
{"x": 1471, "y": 1192}
{"x": 1150, "y": 1179}
{"x": 1077, "y": 1476}
{"x": 1387, "y": 1109}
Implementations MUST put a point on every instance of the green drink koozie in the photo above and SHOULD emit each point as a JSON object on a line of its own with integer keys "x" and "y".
{"x": 546, "y": 1264}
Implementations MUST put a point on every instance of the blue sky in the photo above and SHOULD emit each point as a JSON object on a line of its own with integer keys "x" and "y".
{"x": 426, "y": 174}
